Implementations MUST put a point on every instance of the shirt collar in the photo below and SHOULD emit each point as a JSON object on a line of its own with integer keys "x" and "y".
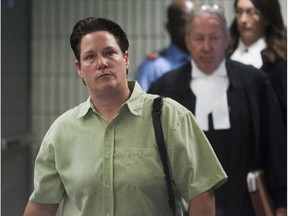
{"x": 134, "y": 103}
{"x": 136, "y": 100}
{"x": 256, "y": 47}
{"x": 84, "y": 108}
{"x": 220, "y": 71}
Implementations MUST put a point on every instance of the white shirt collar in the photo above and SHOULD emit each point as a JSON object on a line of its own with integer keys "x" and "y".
{"x": 255, "y": 48}
{"x": 250, "y": 55}
{"x": 211, "y": 97}
{"x": 220, "y": 71}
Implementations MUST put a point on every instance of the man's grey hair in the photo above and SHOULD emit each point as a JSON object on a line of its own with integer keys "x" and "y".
{"x": 209, "y": 10}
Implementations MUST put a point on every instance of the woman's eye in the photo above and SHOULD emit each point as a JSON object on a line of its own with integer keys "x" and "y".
{"x": 109, "y": 53}
{"x": 89, "y": 57}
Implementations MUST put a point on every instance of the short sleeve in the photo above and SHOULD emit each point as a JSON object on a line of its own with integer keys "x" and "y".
{"x": 48, "y": 187}
{"x": 194, "y": 164}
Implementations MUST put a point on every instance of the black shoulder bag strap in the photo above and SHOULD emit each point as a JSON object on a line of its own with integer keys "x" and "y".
{"x": 156, "y": 113}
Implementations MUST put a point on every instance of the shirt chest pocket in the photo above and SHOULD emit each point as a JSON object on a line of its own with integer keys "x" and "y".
{"x": 141, "y": 167}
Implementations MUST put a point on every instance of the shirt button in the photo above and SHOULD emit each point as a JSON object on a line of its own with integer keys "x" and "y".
{"x": 107, "y": 186}
{"x": 108, "y": 215}
{"x": 108, "y": 155}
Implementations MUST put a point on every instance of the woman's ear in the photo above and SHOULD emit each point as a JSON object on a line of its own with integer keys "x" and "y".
{"x": 78, "y": 67}
{"x": 126, "y": 56}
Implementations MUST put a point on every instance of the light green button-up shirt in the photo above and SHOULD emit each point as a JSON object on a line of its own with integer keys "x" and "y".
{"x": 102, "y": 168}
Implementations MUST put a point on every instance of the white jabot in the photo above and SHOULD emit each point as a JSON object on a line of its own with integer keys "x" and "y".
{"x": 211, "y": 97}
{"x": 250, "y": 55}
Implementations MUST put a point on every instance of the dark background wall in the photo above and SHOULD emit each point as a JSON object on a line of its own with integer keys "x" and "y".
{"x": 15, "y": 105}
{"x": 15, "y": 69}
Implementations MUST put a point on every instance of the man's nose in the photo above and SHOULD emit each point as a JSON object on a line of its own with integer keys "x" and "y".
{"x": 102, "y": 62}
{"x": 207, "y": 45}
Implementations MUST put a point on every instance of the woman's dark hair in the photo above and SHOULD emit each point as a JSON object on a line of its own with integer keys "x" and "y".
{"x": 92, "y": 24}
{"x": 275, "y": 33}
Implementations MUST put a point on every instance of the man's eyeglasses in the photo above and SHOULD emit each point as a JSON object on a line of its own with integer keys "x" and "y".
{"x": 251, "y": 13}
{"x": 208, "y": 7}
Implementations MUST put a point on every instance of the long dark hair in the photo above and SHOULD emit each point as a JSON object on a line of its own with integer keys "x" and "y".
{"x": 275, "y": 33}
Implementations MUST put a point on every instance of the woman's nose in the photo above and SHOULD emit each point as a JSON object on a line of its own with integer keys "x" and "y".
{"x": 243, "y": 17}
{"x": 102, "y": 63}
